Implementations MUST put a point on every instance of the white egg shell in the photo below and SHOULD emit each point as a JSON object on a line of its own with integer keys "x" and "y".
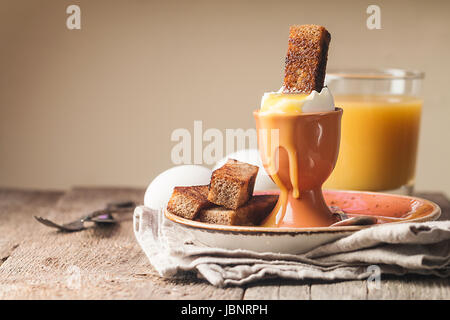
{"x": 263, "y": 181}
{"x": 160, "y": 189}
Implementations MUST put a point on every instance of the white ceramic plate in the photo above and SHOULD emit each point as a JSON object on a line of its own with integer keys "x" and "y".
{"x": 397, "y": 208}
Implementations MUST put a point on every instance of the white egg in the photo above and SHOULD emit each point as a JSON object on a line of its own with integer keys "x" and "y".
{"x": 263, "y": 181}
{"x": 160, "y": 189}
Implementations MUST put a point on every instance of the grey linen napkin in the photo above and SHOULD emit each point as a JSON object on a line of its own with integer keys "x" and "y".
{"x": 421, "y": 248}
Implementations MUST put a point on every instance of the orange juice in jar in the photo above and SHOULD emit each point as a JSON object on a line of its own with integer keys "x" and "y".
{"x": 380, "y": 129}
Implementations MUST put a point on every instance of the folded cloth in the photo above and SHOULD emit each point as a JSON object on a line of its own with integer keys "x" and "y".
{"x": 421, "y": 248}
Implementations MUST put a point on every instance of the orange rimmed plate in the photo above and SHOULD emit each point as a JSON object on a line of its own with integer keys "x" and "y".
{"x": 388, "y": 208}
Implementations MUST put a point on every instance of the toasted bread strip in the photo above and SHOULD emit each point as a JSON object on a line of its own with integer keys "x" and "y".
{"x": 250, "y": 214}
{"x": 232, "y": 184}
{"x": 306, "y": 59}
{"x": 186, "y": 202}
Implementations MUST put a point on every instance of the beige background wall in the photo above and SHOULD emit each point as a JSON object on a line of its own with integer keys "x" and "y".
{"x": 97, "y": 106}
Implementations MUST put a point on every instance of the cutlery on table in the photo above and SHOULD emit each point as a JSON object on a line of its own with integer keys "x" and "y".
{"x": 99, "y": 217}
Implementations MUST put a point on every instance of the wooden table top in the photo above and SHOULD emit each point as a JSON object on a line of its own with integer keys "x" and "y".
{"x": 37, "y": 262}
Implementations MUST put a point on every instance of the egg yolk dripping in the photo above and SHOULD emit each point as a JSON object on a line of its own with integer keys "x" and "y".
{"x": 276, "y": 113}
{"x": 282, "y": 103}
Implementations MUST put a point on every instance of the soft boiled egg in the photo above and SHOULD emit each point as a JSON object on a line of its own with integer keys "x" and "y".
{"x": 160, "y": 189}
{"x": 263, "y": 181}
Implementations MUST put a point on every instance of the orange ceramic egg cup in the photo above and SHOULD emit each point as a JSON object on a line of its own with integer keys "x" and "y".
{"x": 299, "y": 152}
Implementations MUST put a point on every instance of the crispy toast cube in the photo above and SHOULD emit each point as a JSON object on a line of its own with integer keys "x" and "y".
{"x": 232, "y": 184}
{"x": 250, "y": 214}
{"x": 187, "y": 202}
{"x": 306, "y": 59}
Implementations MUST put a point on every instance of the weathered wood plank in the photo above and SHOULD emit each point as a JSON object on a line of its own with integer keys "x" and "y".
{"x": 345, "y": 290}
{"x": 262, "y": 292}
{"x": 295, "y": 292}
{"x": 411, "y": 287}
{"x": 16, "y": 210}
{"x": 187, "y": 288}
{"x": 102, "y": 263}
{"x": 304, "y": 291}
{"x": 278, "y": 290}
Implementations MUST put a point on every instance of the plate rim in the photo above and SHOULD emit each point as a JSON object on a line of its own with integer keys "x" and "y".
{"x": 432, "y": 216}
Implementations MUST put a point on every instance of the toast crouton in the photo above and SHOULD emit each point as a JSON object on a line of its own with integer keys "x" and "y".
{"x": 306, "y": 59}
{"x": 186, "y": 202}
{"x": 232, "y": 184}
{"x": 250, "y": 214}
